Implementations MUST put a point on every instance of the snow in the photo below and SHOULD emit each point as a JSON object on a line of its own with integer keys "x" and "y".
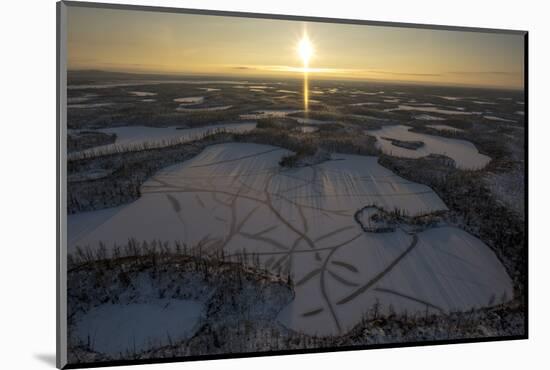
{"x": 483, "y": 102}
{"x": 148, "y": 100}
{"x": 311, "y": 121}
{"x": 130, "y": 137}
{"x": 190, "y": 100}
{"x": 369, "y": 93}
{"x": 494, "y": 118}
{"x": 445, "y": 128}
{"x": 364, "y": 103}
{"x": 84, "y": 223}
{"x": 451, "y": 98}
{"x": 427, "y": 117}
{"x": 80, "y": 99}
{"x": 429, "y": 109}
{"x": 220, "y": 107}
{"x": 269, "y": 113}
{"x": 464, "y": 153}
{"x": 306, "y": 129}
{"x": 287, "y": 91}
{"x": 142, "y": 93}
{"x": 108, "y": 85}
{"x": 92, "y": 174}
{"x": 235, "y": 196}
{"x": 91, "y": 105}
{"x": 209, "y": 89}
{"x": 130, "y": 328}
{"x": 391, "y": 100}
{"x": 519, "y": 112}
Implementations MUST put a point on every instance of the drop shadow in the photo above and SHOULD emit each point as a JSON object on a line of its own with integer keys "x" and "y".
{"x": 46, "y": 358}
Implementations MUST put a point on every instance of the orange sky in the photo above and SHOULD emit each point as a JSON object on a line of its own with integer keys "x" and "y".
{"x": 140, "y": 41}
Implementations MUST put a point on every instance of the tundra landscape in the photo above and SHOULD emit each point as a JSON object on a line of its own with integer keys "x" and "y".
{"x": 212, "y": 214}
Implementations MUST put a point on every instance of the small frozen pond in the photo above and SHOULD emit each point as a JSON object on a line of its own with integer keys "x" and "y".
{"x": 142, "y": 93}
{"x": 464, "y": 153}
{"x": 427, "y": 117}
{"x": 80, "y": 99}
{"x": 205, "y": 109}
{"x": 450, "y": 98}
{"x": 307, "y": 129}
{"x": 445, "y": 128}
{"x": 91, "y": 105}
{"x": 429, "y": 109}
{"x": 364, "y": 103}
{"x": 119, "y": 328}
{"x": 191, "y": 100}
{"x": 494, "y": 118}
{"x": 482, "y": 102}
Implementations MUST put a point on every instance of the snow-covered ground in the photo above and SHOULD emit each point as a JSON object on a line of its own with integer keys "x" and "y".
{"x": 109, "y": 85}
{"x": 269, "y": 113}
{"x": 430, "y": 110}
{"x": 427, "y": 117}
{"x": 300, "y": 221}
{"x": 142, "y": 93}
{"x": 129, "y": 137}
{"x": 192, "y": 100}
{"x": 116, "y": 329}
{"x": 89, "y": 105}
{"x": 306, "y": 129}
{"x": 219, "y": 107}
{"x": 464, "y": 153}
{"x": 445, "y": 128}
{"x": 311, "y": 121}
{"x": 481, "y": 102}
{"x": 494, "y": 118}
{"x": 80, "y": 99}
{"x": 364, "y": 103}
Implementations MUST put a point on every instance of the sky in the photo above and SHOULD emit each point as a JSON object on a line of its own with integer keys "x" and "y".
{"x": 153, "y": 42}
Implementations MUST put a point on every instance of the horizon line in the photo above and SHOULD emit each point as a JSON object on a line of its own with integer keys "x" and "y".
{"x": 297, "y": 76}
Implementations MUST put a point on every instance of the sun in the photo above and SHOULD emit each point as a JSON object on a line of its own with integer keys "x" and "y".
{"x": 305, "y": 49}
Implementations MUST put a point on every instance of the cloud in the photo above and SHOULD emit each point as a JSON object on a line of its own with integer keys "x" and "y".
{"x": 406, "y": 73}
{"x": 507, "y": 73}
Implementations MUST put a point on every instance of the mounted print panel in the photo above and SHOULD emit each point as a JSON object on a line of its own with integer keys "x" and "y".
{"x": 236, "y": 184}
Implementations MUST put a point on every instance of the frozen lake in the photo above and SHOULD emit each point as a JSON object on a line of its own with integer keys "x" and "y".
{"x": 445, "y": 128}
{"x": 301, "y": 221}
{"x": 120, "y": 328}
{"x": 192, "y": 100}
{"x": 430, "y": 110}
{"x": 464, "y": 153}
